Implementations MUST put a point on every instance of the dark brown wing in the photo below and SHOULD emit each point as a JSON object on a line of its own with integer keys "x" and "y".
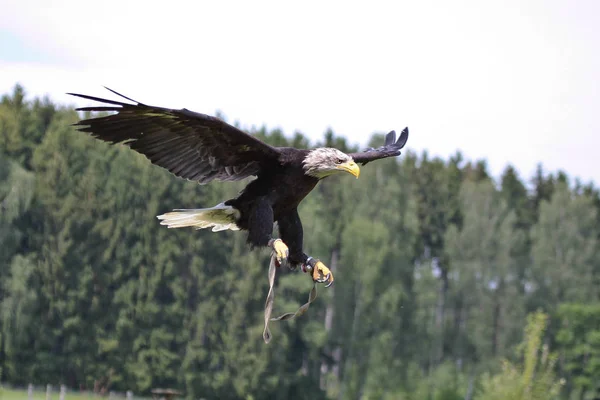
{"x": 391, "y": 148}
{"x": 190, "y": 145}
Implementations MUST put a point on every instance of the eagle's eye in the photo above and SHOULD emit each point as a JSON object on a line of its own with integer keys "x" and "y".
{"x": 339, "y": 161}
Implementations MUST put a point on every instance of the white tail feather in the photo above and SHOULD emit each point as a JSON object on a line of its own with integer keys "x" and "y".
{"x": 219, "y": 217}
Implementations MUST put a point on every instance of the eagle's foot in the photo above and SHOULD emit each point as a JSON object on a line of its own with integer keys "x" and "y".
{"x": 320, "y": 273}
{"x": 281, "y": 251}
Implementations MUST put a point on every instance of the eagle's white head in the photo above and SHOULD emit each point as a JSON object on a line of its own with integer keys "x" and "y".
{"x": 326, "y": 161}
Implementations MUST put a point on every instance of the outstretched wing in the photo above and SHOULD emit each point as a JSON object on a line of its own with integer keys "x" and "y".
{"x": 391, "y": 148}
{"x": 190, "y": 145}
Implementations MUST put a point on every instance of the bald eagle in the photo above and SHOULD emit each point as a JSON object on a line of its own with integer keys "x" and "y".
{"x": 203, "y": 148}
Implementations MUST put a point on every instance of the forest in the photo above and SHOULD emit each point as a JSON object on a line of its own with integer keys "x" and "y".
{"x": 450, "y": 283}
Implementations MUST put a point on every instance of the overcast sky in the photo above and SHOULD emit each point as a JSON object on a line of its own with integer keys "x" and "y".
{"x": 509, "y": 81}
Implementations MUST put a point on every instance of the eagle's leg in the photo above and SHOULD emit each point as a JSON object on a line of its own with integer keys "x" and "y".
{"x": 260, "y": 230}
{"x": 281, "y": 250}
{"x": 320, "y": 273}
{"x": 290, "y": 229}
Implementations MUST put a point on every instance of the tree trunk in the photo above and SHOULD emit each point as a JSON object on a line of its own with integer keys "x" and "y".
{"x": 351, "y": 344}
{"x": 329, "y": 313}
{"x": 440, "y": 314}
{"x": 497, "y": 319}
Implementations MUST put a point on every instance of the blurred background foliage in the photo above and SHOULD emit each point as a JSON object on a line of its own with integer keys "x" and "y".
{"x": 450, "y": 284}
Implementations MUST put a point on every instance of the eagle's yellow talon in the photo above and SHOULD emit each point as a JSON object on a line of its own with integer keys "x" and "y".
{"x": 281, "y": 251}
{"x": 322, "y": 274}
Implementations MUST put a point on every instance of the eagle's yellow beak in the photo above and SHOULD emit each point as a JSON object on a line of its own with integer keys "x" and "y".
{"x": 350, "y": 167}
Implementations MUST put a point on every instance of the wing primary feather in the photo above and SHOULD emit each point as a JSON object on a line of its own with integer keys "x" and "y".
{"x": 85, "y": 96}
{"x": 122, "y": 117}
{"x": 185, "y": 168}
{"x": 403, "y": 138}
{"x": 202, "y": 169}
{"x": 390, "y": 138}
{"x": 207, "y": 178}
{"x": 189, "y": 168}
{"x": 173, "y": 157}
{"x": 97, "y": 108}
{"x": 179, "y": 158}
{"x": 123, "y": 96}
{"x": 151, "y": 144}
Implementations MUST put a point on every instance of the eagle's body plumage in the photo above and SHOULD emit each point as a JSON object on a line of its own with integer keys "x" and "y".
{"x": 203, "y": 148}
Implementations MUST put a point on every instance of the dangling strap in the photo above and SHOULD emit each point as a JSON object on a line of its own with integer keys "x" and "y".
{"x": 269, "y": 300}
{"x": 271, "y": 297}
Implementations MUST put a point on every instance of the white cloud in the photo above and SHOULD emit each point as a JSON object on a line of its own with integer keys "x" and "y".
{"x": 515, "y": 82}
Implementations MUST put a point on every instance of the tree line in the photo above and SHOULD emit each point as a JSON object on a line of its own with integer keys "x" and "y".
{"x": 447, "y": 280}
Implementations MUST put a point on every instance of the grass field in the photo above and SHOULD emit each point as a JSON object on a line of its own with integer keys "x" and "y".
{"x": 12, "y": 394}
